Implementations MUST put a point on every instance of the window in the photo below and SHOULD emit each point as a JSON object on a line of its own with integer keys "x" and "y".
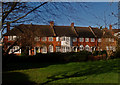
{"x": 57, "y": 48}
{"x": 99, "y": 40}
{"x": 112, "y": 39}
{"x": 67, "y": 39}
{"x": 57, "y": 38}
{"x": 67, "y": 49}
{"x": 14, "y": 49}
{"x": 37, "y": 38}
{"x": 92, "y": 39}
{"x": 81, "y": 47}
{"x": 114, "y": 49}
{"x": 81, "y": 39}
{"x": 107, "y": 48}
{"x": 50, "y": 38}
{"x": 63, "y": 49}
{"x": 50, "y": 49}
{"x": 43, "y": 39}
{"x": 86, "y": 39}
{"x": 111, "y": 48}
{"x": 63, "y": 38}
{"x": 44, "y": 49}
{"x": 12, "y": 38}
{"x": 107, "y": 39}
{"x": 87, "y": 47}
{"x": 74, "y": 39}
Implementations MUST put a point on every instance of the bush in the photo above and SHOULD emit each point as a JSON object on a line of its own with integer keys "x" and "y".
{"x": 116, "y": 54}
{"x": 51, "y": 57}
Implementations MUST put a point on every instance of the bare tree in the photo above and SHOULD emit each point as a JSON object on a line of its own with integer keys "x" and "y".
{"x": 16, "y": 13}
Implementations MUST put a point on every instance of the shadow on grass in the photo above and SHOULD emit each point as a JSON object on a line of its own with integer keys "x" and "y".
{"x": 89, "y": 69}
{"x": 28, "y": 65}
{"x": 16, "y": 78}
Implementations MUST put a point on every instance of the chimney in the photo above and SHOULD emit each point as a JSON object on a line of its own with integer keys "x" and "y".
{"x": 52, "y": 23}
{"x": 110, "y": 27}
{"x": 8, "y": 26}
{"x": 72, "y": 25}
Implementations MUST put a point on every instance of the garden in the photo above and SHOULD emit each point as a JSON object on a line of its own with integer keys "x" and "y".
{"x": 60, "y": 68}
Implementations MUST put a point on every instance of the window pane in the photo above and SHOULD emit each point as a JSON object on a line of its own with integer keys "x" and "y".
{"x": 92, "y": 39}
{"x": 74, "y": 39}
{"x": 86, "y": 39}
{"x": 57, "y": 38}
{"x": 43, "y": 38}
{"x": 81, "y": 39}
{"x": 57, "y": 48}
{"x": 50, "y": 38}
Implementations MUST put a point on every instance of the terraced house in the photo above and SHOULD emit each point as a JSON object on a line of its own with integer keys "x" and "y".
{"x": 51, "y": 38}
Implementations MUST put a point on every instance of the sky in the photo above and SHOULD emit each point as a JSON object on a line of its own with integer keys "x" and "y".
{"x": 83, "y": 14}
{"x": 93, "y": 14}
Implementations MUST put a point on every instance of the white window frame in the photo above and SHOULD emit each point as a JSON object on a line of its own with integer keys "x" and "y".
{"x": 57, "y": 38}
{"x": 43, "y": 38}
{"x": 50, "y": 38}
{"x": 81, "y": 39}
{"x": 86, "y": 39}
{"x": 87, "y": 47}
{"x": 44, "y": 49}
{"x": 12, "y": 38}
{"x": 14, "y": 49}
{"x": 74, "y": 39}
{"x": 50, "y": 48}
{"x": 92, "y": 39}
{"x": 63, "y": 49}
{"x": 99, "y": 39}
{"x": 112, "y": 39}
{"x": 58, "y": 49}
{"x": 81, "y": 47}
{"x": 107, "y": 47}
{"x": 37, "y": 38}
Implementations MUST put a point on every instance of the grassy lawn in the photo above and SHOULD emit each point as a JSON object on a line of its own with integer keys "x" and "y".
{"x": 74, "y": 72}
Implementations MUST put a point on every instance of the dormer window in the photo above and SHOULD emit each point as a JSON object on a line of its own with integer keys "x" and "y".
{"x": 43, "y": 39}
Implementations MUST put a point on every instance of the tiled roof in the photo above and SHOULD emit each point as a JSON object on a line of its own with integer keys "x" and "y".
{"x": 116, "y": 30}
{"x": 84, "y": 32}
{"x": 64, "y": 31}
{"x": 47, "y": 31}
{"x": 97, "y": 32}
{"x": 38, "y": 30}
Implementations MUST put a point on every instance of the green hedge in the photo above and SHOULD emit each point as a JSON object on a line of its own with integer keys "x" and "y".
{"x": 50, "y": 57}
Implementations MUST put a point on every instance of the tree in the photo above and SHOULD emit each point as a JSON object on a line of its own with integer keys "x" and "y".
{"x": 15, "y": 13}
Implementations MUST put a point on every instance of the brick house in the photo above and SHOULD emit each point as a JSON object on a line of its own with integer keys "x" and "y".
{"x": 51, "y": 38}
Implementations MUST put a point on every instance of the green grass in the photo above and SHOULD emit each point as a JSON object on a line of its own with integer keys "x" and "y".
{"x": 74, "y": 72}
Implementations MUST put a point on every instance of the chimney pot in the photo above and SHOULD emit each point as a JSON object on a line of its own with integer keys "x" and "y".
{"x": 110, "y": 27}
{"x": 52, "y": 23}
{"x": 72, "y": 24}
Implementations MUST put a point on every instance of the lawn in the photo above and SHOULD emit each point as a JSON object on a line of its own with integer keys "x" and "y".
{"x": 73, "y": 72}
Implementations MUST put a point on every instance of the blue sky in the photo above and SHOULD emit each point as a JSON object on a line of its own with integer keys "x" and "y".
{"x": 94, "y": 14}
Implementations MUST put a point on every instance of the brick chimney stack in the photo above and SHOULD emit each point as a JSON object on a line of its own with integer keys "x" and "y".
{"x": 52, "y": 23}
{"x": 110, "y": 27}
{"x": 8, "y": 26}
{"x": 72, "y": 25}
